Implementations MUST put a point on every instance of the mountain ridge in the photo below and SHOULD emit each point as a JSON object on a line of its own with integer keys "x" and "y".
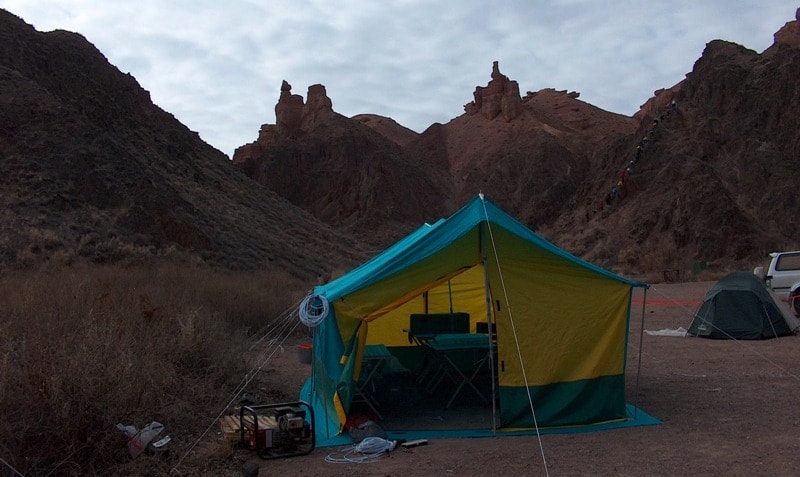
{"x": 93, "y": 171}
{"x": 551, "y": 159}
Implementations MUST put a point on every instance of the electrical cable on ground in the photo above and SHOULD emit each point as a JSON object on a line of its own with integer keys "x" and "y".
{"x": 368, "y": 450}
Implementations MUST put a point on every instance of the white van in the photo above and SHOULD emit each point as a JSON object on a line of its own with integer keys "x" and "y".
{"x": 783, "y": 277}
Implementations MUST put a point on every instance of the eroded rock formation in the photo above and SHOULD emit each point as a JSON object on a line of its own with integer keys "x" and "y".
{"x": 292, "y": 115}
{"x": 498, "y": 98}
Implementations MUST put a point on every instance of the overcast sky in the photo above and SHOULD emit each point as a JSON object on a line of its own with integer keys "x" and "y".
{"x": 218, "y": 65}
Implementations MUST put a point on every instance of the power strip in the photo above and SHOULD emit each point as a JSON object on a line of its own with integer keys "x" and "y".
{"x": 415, "y": 443}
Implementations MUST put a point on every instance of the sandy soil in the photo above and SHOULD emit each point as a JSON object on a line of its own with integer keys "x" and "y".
{"x": 727, "y": 408}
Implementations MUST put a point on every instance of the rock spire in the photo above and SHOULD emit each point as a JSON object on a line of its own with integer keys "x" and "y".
{"x": 498, "y": 98}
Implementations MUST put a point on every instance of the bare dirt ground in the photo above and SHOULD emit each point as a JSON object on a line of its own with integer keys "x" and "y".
{"x": 726, "y": 407}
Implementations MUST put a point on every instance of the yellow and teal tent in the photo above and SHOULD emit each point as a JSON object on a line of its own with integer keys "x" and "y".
{"x": 561, "y": 322}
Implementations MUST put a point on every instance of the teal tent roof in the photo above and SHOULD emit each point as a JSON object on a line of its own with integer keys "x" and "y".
{"x": 431, "y": 238}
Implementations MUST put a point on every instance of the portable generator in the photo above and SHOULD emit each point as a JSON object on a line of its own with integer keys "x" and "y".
{"x": 277, "y": 430}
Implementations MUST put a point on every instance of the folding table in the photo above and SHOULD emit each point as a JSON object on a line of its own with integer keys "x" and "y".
{"x": 447, "y": 346}
{"x": 426, "y": 326}
{"x": 372, "y": 361}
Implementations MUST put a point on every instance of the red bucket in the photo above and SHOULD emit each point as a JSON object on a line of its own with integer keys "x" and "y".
{"x": 304, "y": 352}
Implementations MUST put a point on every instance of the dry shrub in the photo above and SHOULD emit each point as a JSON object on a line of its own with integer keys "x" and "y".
{"x": 663, "y": 254}
{"x": 629, "y": 257}
{"x": 85, "y": 348}
{"x": 712, "y": 275}
{"x": 586, "y": 241}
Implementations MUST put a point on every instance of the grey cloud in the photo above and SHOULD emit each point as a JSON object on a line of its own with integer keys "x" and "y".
{"x": 218, "y": 67}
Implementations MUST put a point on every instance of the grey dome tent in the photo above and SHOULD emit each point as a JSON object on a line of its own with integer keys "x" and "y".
{"x": 741, "y": 307}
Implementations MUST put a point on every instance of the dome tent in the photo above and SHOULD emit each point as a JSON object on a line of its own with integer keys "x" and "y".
{"x": 741, "y": 307}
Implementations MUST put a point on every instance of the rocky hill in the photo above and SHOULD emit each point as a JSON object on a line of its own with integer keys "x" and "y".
{"x": 715, "y": 180}
{"x": 340, "y": 169}
{"x": 91, "y": 170}
{"x": 712, "y": 180}
{"x": 529, "y": 154}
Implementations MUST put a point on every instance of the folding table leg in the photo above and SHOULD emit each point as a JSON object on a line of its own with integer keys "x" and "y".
{"x": 466, "y": 380}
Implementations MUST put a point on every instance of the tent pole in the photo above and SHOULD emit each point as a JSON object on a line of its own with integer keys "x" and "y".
{"x": 641, "y": 345}
{"x": 450, "y": 295}
{"x": 490, "y": 330}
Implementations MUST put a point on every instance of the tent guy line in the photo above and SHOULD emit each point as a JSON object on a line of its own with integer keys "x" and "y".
{"x": 668, "y": 302}
{"x": 286, "y": 325}
{"x": 514, "y": 333}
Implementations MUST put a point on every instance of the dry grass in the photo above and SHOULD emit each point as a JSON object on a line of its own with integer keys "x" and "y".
{"x": 85, "y": 348}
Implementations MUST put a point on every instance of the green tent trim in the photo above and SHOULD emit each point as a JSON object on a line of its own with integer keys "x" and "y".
{"x": 555, "y": 404}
